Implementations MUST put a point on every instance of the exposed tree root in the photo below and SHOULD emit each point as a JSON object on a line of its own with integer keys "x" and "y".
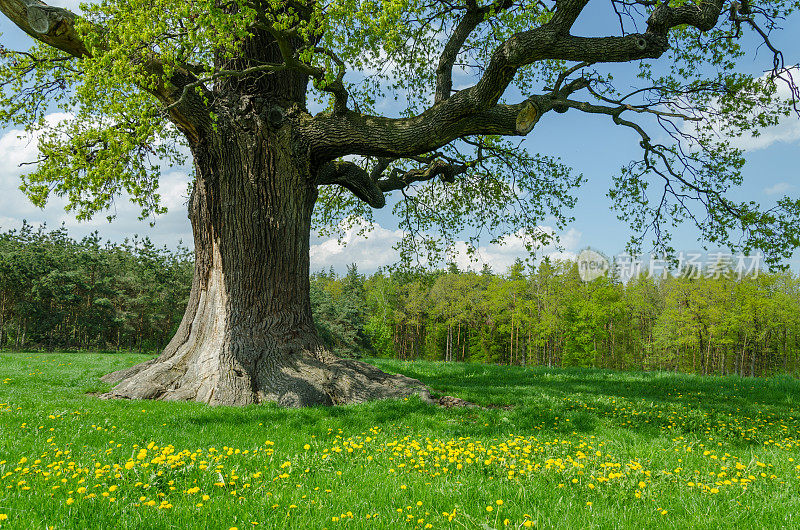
{"x": 299, "y": 380}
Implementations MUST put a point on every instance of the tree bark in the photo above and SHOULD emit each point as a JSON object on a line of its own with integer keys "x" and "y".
{"x": 247, "y": 335}
{"x": 449, "y": 353}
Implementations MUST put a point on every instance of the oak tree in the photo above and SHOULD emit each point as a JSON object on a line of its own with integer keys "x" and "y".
{"x": 137, "y": 82}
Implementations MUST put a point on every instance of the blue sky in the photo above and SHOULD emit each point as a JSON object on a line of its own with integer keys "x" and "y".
{"x": 588, "y": 143}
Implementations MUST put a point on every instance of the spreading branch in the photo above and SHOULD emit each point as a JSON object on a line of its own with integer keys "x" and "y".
{"x": 473, "y": 16}
{"x": 55, "y": 27}
{"x": 476, "y": 110}
{"x": 370, "y": 186}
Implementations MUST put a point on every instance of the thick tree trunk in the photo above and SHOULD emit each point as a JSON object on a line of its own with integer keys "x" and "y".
{"x": 248, "y": 335}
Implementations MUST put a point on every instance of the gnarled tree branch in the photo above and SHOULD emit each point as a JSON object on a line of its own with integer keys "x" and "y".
{"x": 52, "y": 25}
{"x": 353, "y": 177}
{"x": 55, "y": 27}
{"x": 476, "y": 110}
{"x": 370, "y": 186}
{"x": 471, "y": 19}
{"x": 447, "y": 171}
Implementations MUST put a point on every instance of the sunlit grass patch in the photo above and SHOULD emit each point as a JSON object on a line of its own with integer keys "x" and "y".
{"x": 569, "y": 448}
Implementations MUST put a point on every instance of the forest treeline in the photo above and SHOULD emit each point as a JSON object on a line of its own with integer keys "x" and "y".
{"x": 57, "y": 293}
{"x": 708, "y": 323}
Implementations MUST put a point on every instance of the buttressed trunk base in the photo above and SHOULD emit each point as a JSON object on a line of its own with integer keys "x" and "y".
{"x": 247, "y": 335}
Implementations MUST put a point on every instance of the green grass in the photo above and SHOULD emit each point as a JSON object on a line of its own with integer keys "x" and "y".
{"x": 559, "y": 448}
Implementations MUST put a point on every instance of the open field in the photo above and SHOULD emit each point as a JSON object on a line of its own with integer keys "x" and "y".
{"x": 555, "y": 448}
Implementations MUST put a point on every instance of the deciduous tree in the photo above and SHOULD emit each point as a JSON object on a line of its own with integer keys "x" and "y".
{"x": 232, "y": 81}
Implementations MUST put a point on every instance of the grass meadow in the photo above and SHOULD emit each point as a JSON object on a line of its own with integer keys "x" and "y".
{"x": 550, "y": 449}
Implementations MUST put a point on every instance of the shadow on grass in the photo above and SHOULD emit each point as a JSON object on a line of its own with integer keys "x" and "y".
{"x": 576, "y": 399}
{"x": 514, "y": 385}
{"x": 518, "y": 400}
{"x": 539, "y": 400}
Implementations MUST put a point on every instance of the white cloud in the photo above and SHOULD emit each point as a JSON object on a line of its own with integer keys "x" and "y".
{"x": 780, "y": 188}
{"x": 501, "y": 256}
{"x": 374, "y": 249}
{"x": 174, "y": 190}
{"x": 72, "y": 5}
{"x": 368, "y": 251}
{"x": 787, "y": 130}
{"x": 16, "y": 147}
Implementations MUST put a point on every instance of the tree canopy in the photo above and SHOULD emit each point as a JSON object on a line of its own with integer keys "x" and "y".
{"x": 136, "y": 82}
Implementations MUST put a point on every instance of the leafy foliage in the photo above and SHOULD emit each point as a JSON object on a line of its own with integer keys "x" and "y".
{"x": 706, "y": 323}
{"x": 139, "y": 79}
{"x": 56, "y": 292}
